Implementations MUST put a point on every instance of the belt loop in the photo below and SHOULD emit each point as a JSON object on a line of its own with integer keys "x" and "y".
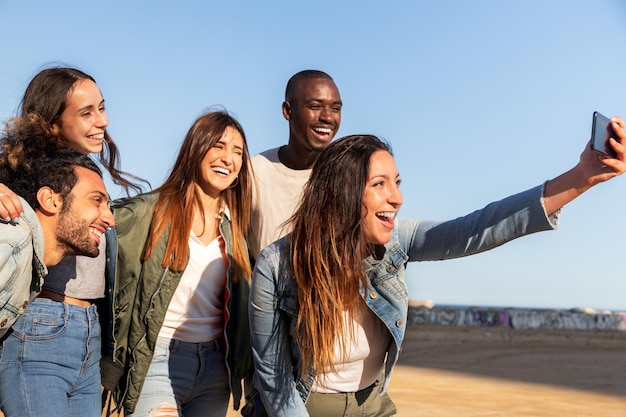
{"x": 173, "y": 345}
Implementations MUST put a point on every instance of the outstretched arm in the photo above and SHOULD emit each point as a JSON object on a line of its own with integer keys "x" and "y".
{"x": 10, "y": 205}
{"x": 592, "y": 168}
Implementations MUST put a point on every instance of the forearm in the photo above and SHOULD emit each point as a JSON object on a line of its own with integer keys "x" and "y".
{"x": 591, "y": 169}
{"x": 563, "y": 189}
{"x": 495, "y": 224}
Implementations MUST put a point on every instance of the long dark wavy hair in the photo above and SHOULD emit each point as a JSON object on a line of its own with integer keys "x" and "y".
{"x": 327, "y": 248}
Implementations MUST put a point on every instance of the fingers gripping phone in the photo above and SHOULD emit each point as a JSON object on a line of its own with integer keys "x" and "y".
{"x": 601, "y": 131}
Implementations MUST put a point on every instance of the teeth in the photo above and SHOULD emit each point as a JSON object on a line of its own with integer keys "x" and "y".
{"x": 96, "y": 232}
{"x": 387, "y": 214}
{"x": 325, "y": 130}
{"x": 221, "y": 170}
{"x": 97, "y": 137}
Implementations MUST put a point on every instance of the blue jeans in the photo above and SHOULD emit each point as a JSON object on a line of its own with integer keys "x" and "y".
{"x": 49, "y": 362}
{"x": 185, "y": 379}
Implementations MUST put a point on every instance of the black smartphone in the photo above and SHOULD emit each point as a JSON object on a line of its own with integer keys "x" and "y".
{"x": 601, "y": 131}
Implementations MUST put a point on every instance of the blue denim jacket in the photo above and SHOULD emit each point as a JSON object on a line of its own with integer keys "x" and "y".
{"x": 21, "y": 266}
{"x": 274, "y": 305}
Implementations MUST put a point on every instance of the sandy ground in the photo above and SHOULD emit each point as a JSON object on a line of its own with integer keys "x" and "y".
{"x": 488, "y": 372}
{"x": 471, "y": 372}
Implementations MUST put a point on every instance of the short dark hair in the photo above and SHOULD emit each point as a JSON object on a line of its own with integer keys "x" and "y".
{"x": 303, "y": 75}
{"x": 32, "y": 157}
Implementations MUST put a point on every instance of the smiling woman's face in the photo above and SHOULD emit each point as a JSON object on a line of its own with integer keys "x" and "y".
{"x": 381, "y": 198}
{"x": 222, "y": 163}
{"x": 84, "y": 118}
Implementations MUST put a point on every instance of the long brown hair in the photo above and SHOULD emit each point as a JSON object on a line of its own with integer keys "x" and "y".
{"x": 46, "y": 96}
{"x": 327, "y": 248}
{"x": 178, "y": 196}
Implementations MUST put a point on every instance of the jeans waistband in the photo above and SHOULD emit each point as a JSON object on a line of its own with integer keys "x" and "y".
{"x": 212, "y": 346}
{"x": 43, "y": 305}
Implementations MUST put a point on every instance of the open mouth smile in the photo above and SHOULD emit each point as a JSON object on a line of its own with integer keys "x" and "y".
{"x": 221, "y": 171}
{"x": 96, "y": 138}
{"x": 323, "y": 131}
{"x": 387, "y": 217}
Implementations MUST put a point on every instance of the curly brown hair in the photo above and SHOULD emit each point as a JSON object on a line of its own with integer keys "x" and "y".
{"x": 33, "y": 156}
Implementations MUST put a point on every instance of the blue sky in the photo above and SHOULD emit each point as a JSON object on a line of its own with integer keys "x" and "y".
{"x": 479, "y": 99}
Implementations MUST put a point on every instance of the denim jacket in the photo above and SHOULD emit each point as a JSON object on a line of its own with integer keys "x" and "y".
{"x": 274, "y": 304}
{"x": 21, "y": 266}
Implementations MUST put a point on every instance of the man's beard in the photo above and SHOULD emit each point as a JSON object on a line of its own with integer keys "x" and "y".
{"x": 74, "y": 236}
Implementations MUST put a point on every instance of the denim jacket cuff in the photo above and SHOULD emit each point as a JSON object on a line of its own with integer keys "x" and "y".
{"x": 552, "y": 219}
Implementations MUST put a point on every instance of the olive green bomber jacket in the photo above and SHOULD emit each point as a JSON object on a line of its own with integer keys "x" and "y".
{"x": 143, "y": 291}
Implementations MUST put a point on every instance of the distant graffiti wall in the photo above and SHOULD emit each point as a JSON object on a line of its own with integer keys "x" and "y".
{"x": 517, "y": 318}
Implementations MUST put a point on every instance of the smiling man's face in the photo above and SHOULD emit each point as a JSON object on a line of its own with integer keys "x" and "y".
{"x": 314, "y": 113}
{"x": 85, "y": 215}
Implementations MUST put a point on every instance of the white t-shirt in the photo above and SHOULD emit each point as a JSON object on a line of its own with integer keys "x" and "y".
{"x": 196, "y": 312}
{"x": 365, "y": 358}
{"x": 276, "y": 193}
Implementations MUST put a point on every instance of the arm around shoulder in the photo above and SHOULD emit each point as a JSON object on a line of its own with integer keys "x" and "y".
{"x": 10, "y": 204}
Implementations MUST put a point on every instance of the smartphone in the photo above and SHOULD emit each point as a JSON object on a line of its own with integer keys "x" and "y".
{"x": 601, "y": 131}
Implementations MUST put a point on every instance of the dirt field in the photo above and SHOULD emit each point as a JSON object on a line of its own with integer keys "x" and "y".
{"x": 471, "y": 372}
{"x": 489, "y": 372}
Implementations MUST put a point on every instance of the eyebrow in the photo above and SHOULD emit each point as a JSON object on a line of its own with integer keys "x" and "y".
{"x": 226, "y": 142}
{"x": 90, "y": 106}
{"x": 104, "y": 195}
{"x": 385, "y": 176}
{"x": 320, "y": 100}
